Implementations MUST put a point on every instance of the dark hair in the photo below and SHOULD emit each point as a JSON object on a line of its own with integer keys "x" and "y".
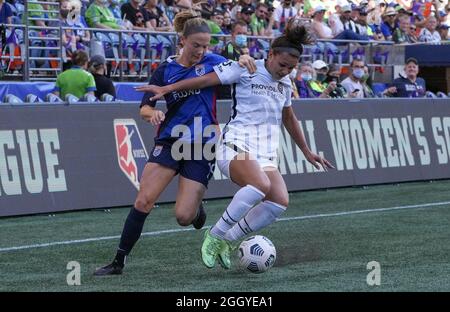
{"x": 189, "y": 22}
{"x": 79, "y": 58}
{"x": 357, "y": 59}
{"x": 294, "y": 37}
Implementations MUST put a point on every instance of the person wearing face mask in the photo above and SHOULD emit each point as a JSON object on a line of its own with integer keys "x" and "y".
{"x": 319, "y": 87}
{"x": 305, "y": 75}
{"x": 353, "y": 83}
{"x": 238, "y": 44}
{"x": 233, "y": 51}
{"x": 334, "y": 76}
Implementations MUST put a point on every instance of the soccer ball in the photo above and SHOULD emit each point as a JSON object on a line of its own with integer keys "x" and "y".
{"x": 257, "y": 254}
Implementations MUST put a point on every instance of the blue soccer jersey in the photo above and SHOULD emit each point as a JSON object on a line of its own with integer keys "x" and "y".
{"x": 193, "y": 109}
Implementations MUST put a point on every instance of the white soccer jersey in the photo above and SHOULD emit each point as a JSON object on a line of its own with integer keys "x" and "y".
{"x": 257, "y": 104}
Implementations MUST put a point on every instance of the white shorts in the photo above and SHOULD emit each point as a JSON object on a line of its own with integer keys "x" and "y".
{"x": 225, "y": 153}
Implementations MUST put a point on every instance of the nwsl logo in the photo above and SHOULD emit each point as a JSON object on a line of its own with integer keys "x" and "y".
{"x": 131, "y": 152}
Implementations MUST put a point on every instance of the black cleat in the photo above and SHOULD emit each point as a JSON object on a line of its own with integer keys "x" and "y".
{"x": 111, "y": 269}
{"x": 200, "y": 219}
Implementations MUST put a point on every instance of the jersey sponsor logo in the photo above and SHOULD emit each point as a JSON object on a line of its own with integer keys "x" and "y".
{"x": 185, "y": 93}
{"x": 263, "y": 87}
{"x": 280, "y": 87}
{"x": 200, "y": 70}
{"x": 131, "y": 153}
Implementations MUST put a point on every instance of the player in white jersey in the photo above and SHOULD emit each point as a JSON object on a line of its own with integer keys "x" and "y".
{"x": 247, "y": 151}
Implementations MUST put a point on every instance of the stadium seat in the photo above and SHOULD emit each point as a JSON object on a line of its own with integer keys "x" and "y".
{"x": 106, "y": 97}
{"x": 441, "y": 95}
{"x": 88, "y": 98}
{"x": 430, "y": 94}
{"x": 71, "y": 99}
{"x": 32, "y": 98}
{"x": 52, "y": 98}
{"x": 12, "y": 99}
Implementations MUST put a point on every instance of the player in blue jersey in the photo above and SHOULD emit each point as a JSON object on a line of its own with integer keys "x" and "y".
{"x": 191, "y": 111}
{"x": 247, "y": 151}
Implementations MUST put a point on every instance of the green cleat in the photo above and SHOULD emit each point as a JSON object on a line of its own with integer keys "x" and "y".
{"x": 225, "y": 254}
{"x": 211, "y": 248}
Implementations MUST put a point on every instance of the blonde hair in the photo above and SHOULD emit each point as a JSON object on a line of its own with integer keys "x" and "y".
{"x": 76, "y": 5}
{"x": 189, "y": 22}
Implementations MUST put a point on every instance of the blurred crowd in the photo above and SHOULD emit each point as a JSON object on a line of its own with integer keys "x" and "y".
{"x": 330, "y": 22}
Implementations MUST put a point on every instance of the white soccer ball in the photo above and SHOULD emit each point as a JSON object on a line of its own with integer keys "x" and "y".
{"x": 257, "y": 254}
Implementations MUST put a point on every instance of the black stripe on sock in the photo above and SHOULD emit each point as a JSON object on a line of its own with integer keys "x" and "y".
{"x": 230, "y": 216}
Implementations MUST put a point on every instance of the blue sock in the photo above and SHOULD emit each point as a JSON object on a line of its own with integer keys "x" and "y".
{"x": 131, "y": 232}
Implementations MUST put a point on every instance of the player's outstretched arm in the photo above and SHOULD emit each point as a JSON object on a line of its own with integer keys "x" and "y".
{"x": 204, "y": 81}
{"x": 290, "y": 122}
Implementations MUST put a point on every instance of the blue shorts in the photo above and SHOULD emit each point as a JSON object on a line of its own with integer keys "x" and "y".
{"x": 198, "y": 169}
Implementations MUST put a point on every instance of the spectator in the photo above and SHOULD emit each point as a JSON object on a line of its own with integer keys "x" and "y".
{"x": 246, "y": 15}
{"x": 366, "y": 82}
{"x": 236, "y": 10}
{"x": 347, "y": 18}
{"x": 226, "y": 26}
{"x": 99, "y": 16}
{"x": 429, "y": 33}
{"x": 114, "y": 7}
{"x": 233, "y": 50}
{"x": 5, "y": 13}
{"x": 334, "y": 19}
{"x": 411, "y": 85}
{"x": 334, "y": 75}
{"x": 97, "y": 67}
{"x": 389, "y": 25}
{"x": 402, "y": 34}
{"x": 215, "y": 23}
{"x": 77, "y": 80}
{"x": 352, "y": 84}
{"x": 306, "y": 75}
{"x": 258, "y": 23}
{"x": 362, "y": 26}
{"x": 318, "y": 85}
{"x": 322, "y": 31}
{"x": 136, "y": 14}
{"x": 158, "y": 20}
{"x": 282, "y": 14}
{"x": 443, "y": 32}
{"x": 226, "y": 5}
{"x": 238, "y": 44}
{"x": 217, "y": 17}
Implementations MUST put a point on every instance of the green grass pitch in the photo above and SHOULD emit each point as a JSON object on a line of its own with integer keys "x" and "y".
{"x": 324, "y": 242}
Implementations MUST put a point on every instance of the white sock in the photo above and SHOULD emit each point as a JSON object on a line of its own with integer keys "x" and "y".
{"x": 260, "y": 216}
{"x": 243, "y": 201}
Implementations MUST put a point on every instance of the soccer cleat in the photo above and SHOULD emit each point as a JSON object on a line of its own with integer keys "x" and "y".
{"x": 210, "y": 249}
{"x": 225, "y": 254}
{"x": 111, "y": 269}
{"x": 200, "y": 219}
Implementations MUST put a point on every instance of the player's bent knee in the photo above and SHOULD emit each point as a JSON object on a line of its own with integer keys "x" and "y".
{"x": 184, "y": 219}
{"x": 143, "y": 205}
{"x": 284, "y": 201}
